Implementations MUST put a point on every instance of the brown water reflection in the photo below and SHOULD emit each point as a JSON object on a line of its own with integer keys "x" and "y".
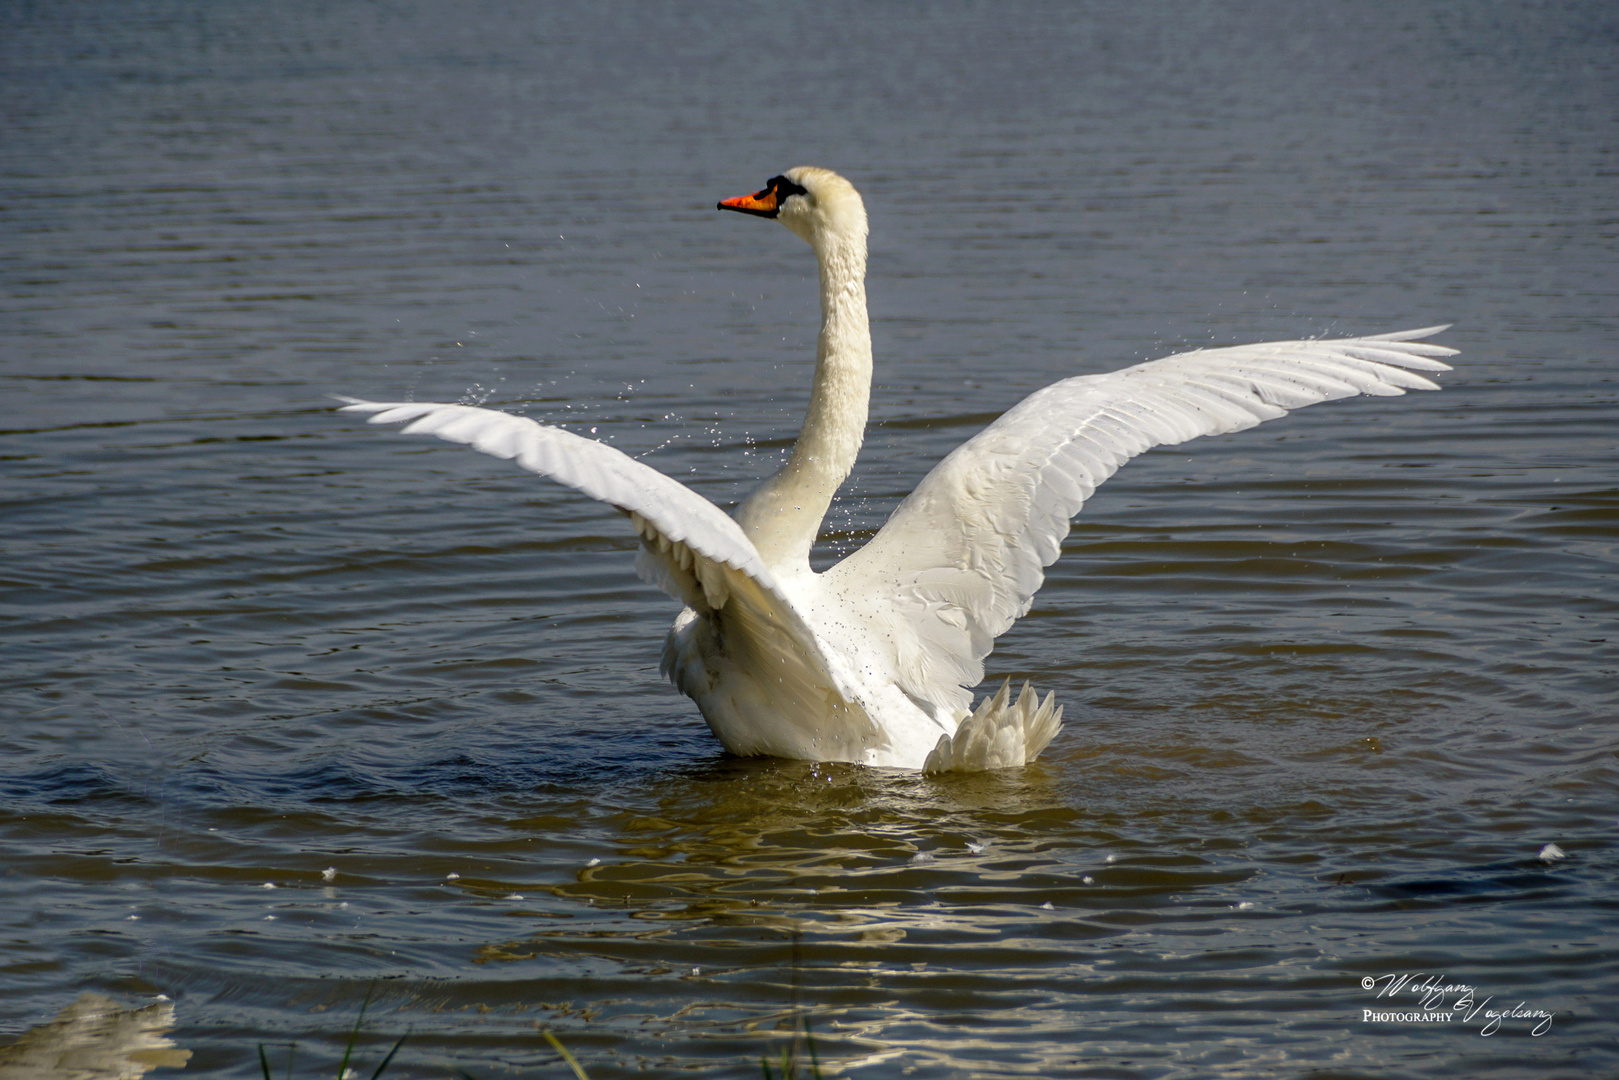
{"x": 95, "y": 1038}
{"x": 778, "y": 892}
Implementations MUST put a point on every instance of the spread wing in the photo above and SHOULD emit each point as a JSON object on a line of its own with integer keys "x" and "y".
{"x": 961, "y": 558}
{"x": 690, "y": 548}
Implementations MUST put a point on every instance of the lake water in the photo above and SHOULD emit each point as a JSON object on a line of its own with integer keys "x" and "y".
{"x": 1331, "y": 684}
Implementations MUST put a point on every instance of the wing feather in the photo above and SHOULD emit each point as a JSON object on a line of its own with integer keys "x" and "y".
{"x": 690, "y": 548}
{"x": 961, "y": 558}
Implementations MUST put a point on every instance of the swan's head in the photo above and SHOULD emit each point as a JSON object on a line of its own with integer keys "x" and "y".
{"x": 817, "y": 204}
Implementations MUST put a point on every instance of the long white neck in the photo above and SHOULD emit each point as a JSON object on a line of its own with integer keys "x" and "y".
{"x": 783, "y": 516}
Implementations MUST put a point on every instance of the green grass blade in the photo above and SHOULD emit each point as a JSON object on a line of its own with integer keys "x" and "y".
{"x": 390, "y": 1056}
{"x": 264, "y": 1063}
{"x": 556, "y": 1043}
{"x": 354, "y": 1036}
{"x": 815, "y": 1059}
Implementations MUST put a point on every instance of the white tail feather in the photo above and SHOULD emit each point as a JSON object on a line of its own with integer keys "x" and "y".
{"x": 998, "y": 735}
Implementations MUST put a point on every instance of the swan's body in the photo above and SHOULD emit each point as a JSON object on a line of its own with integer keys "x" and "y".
{"x": 873, "y": 660}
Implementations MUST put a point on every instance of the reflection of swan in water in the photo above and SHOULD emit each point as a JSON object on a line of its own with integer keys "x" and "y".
{"x": 95, "y": 1039}
{"x": 871, "y": 661}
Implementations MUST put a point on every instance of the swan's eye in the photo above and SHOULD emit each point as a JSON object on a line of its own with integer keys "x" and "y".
{"x": 783, "y": 188}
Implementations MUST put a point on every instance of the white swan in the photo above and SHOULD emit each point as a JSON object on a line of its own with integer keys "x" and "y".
{"x": 872, "y": 661}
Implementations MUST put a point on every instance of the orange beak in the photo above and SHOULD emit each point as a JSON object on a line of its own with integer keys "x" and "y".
{"x": 762, "y": 203}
